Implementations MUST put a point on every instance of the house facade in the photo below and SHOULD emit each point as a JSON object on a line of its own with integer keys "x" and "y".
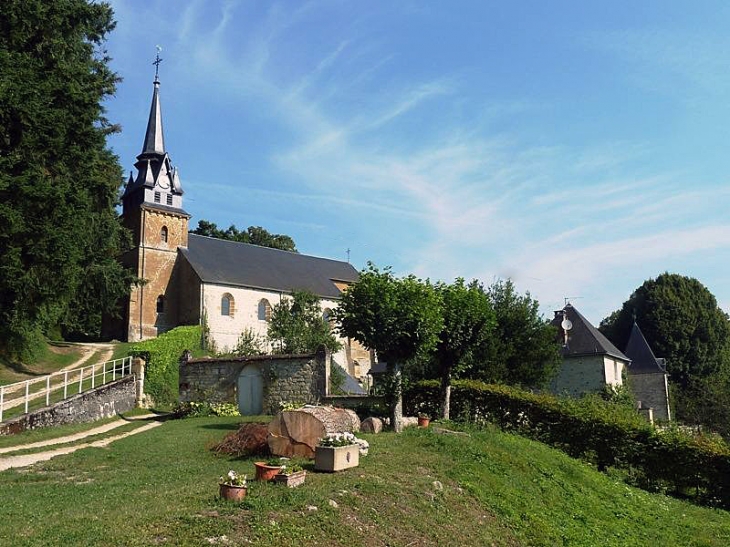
{"x": 590, "y": 361}
{"x": 229, "y": 287}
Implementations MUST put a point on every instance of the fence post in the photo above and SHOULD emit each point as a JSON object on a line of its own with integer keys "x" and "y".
{"x": 27, "y": 394}
{"x": 48, "y": 390}
{"x": 137, "y": 367}
{"x": 93, "y": 373}
{"x": 2, "y": 401}
{"x": 65, "y": 384}
{"x": 103, "y": 374}
{"x": 81, "y": 379}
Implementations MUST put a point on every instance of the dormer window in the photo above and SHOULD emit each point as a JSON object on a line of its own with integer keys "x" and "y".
{"x": 157, "y": 197}
{"x": 169, "y": 199}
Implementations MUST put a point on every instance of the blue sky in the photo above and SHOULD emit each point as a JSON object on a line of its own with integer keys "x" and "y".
{"x": 577, "y": 148}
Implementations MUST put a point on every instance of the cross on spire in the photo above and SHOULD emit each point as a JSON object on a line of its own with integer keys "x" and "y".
{"x": 157, "y": 62}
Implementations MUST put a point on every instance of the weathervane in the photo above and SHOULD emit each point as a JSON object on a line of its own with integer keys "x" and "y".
{"x": 157, "y": 62}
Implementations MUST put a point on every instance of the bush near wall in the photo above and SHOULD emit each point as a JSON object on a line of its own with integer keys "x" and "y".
{"x": 606, "y": 434}
{"x": 162, "y": 355}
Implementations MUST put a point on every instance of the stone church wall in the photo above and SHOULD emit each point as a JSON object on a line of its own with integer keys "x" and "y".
{"x": 155, "y": 263}
{"x": 226, "y": 329}
{"x": 287, "y": 378}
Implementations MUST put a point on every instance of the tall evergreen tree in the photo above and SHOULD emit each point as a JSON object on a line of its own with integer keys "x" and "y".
{"x": 59, "y": 232}
{"x": 681, "y": 321}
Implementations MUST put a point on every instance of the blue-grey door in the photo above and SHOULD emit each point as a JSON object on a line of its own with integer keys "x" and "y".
{"x": 250, "y": 391}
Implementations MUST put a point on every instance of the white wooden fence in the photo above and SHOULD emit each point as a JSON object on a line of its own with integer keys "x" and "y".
{"x": 62, "y": 385}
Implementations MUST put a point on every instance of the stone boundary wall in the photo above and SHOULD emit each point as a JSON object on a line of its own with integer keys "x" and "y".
{"x": 103, "y": 402}
{"x": 353, "y": 401}
{"x": 286, "y": 378}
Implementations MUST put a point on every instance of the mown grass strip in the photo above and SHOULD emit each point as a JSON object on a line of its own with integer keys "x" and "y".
{"x": 417, "y": 488}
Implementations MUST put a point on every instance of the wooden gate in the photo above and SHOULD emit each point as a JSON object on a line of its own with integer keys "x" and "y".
{"x": 250, "y": 391}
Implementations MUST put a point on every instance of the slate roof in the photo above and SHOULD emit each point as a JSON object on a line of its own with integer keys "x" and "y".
{"x": 583, "y": 338}
{"x": 642, "y": 357}
{"x": 222, "y": 262}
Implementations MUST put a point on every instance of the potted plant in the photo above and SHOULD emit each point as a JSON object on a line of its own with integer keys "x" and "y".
{"x": 423, "y": 420}
{"x": 337, "y": 451}
{"x": 233, "y": 486}
{"x": 265, "y": 471}
{"x": 291, "y": 475}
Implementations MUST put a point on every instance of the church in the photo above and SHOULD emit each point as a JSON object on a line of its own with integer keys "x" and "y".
{"x": 191, "y": 279}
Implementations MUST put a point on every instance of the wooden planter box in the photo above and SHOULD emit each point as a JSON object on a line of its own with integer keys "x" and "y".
{"x": 336, "y": 458}
{"x": 292, "y": 480}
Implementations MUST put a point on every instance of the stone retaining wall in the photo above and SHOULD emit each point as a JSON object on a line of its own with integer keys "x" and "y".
{"x": 103, "y": 402}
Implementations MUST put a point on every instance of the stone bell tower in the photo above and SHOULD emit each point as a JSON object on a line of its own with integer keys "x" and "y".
{"x": 152, "y": 211}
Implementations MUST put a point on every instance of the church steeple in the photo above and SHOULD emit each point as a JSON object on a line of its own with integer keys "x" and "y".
{"x": 157, "y": 182}
{"x": 154, "y": 139}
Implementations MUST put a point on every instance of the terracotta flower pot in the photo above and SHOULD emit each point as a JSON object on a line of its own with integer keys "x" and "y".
{"x": 423, "y": 421}
{"x": 233, "y": 493}
{"x": 265, "y": 472}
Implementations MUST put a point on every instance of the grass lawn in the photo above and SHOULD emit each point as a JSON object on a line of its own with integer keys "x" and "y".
{"x": 417, "y": 488}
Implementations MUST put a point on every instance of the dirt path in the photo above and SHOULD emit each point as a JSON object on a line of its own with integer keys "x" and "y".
{"x": 90, "y": 350}
{"x": 104, "y": 351}
{"x": 78, "y": 436}
{"x": 29, "y": 459}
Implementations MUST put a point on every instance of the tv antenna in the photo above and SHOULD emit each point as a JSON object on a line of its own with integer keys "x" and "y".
{"x": 566, "y": 324}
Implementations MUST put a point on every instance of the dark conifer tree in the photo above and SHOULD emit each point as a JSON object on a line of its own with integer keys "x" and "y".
{"x": 59, "y": 183}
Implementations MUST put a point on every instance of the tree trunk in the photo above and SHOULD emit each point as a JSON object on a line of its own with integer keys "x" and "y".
{"x": 445, "y": 392}
{"x": 295, "y": 433}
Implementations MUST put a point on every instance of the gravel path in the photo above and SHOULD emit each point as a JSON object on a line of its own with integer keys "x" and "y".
{"x": 29, "y": 459}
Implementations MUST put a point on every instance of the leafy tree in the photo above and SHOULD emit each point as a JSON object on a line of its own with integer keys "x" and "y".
{"x": 681, "y": 321}
{"x": 250, "y": 343}
{"x": 400, "y": 318}
{"x": 522, "y": 349}
{"x": 59, "y": 232}
{"x": 297, "y": 325}
{"x": 255, "y": 235}
{"x": 468, "y": 322}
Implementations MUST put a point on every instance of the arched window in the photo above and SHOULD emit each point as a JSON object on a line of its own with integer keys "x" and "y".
{"x": 327, "y": 316}
{"x": 161, "y": 304}
{"x": 163, "y": 234}
{"x": 227, "y": 305}
{"x": 264, "y": 310}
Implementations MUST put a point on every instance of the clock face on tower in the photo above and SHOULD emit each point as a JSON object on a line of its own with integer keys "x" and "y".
{"x": 163, "y": 183}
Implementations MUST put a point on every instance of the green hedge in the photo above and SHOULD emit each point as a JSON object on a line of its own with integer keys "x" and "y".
{"x": 606, "y": 434}
{"x": 162, "y": 355}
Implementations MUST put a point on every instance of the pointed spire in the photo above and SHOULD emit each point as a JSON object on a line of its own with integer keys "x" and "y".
{"x": 154, "y": 139}
{"x": 149, "y": 176}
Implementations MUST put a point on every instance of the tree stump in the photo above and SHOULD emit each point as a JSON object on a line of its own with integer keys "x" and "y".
{"x": 295, "y": 433}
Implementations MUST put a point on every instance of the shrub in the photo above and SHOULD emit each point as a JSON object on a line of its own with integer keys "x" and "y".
{"x": 162, "y": 355}
{"x": 200, "y": 409}
{"x": 607, "y": 434}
